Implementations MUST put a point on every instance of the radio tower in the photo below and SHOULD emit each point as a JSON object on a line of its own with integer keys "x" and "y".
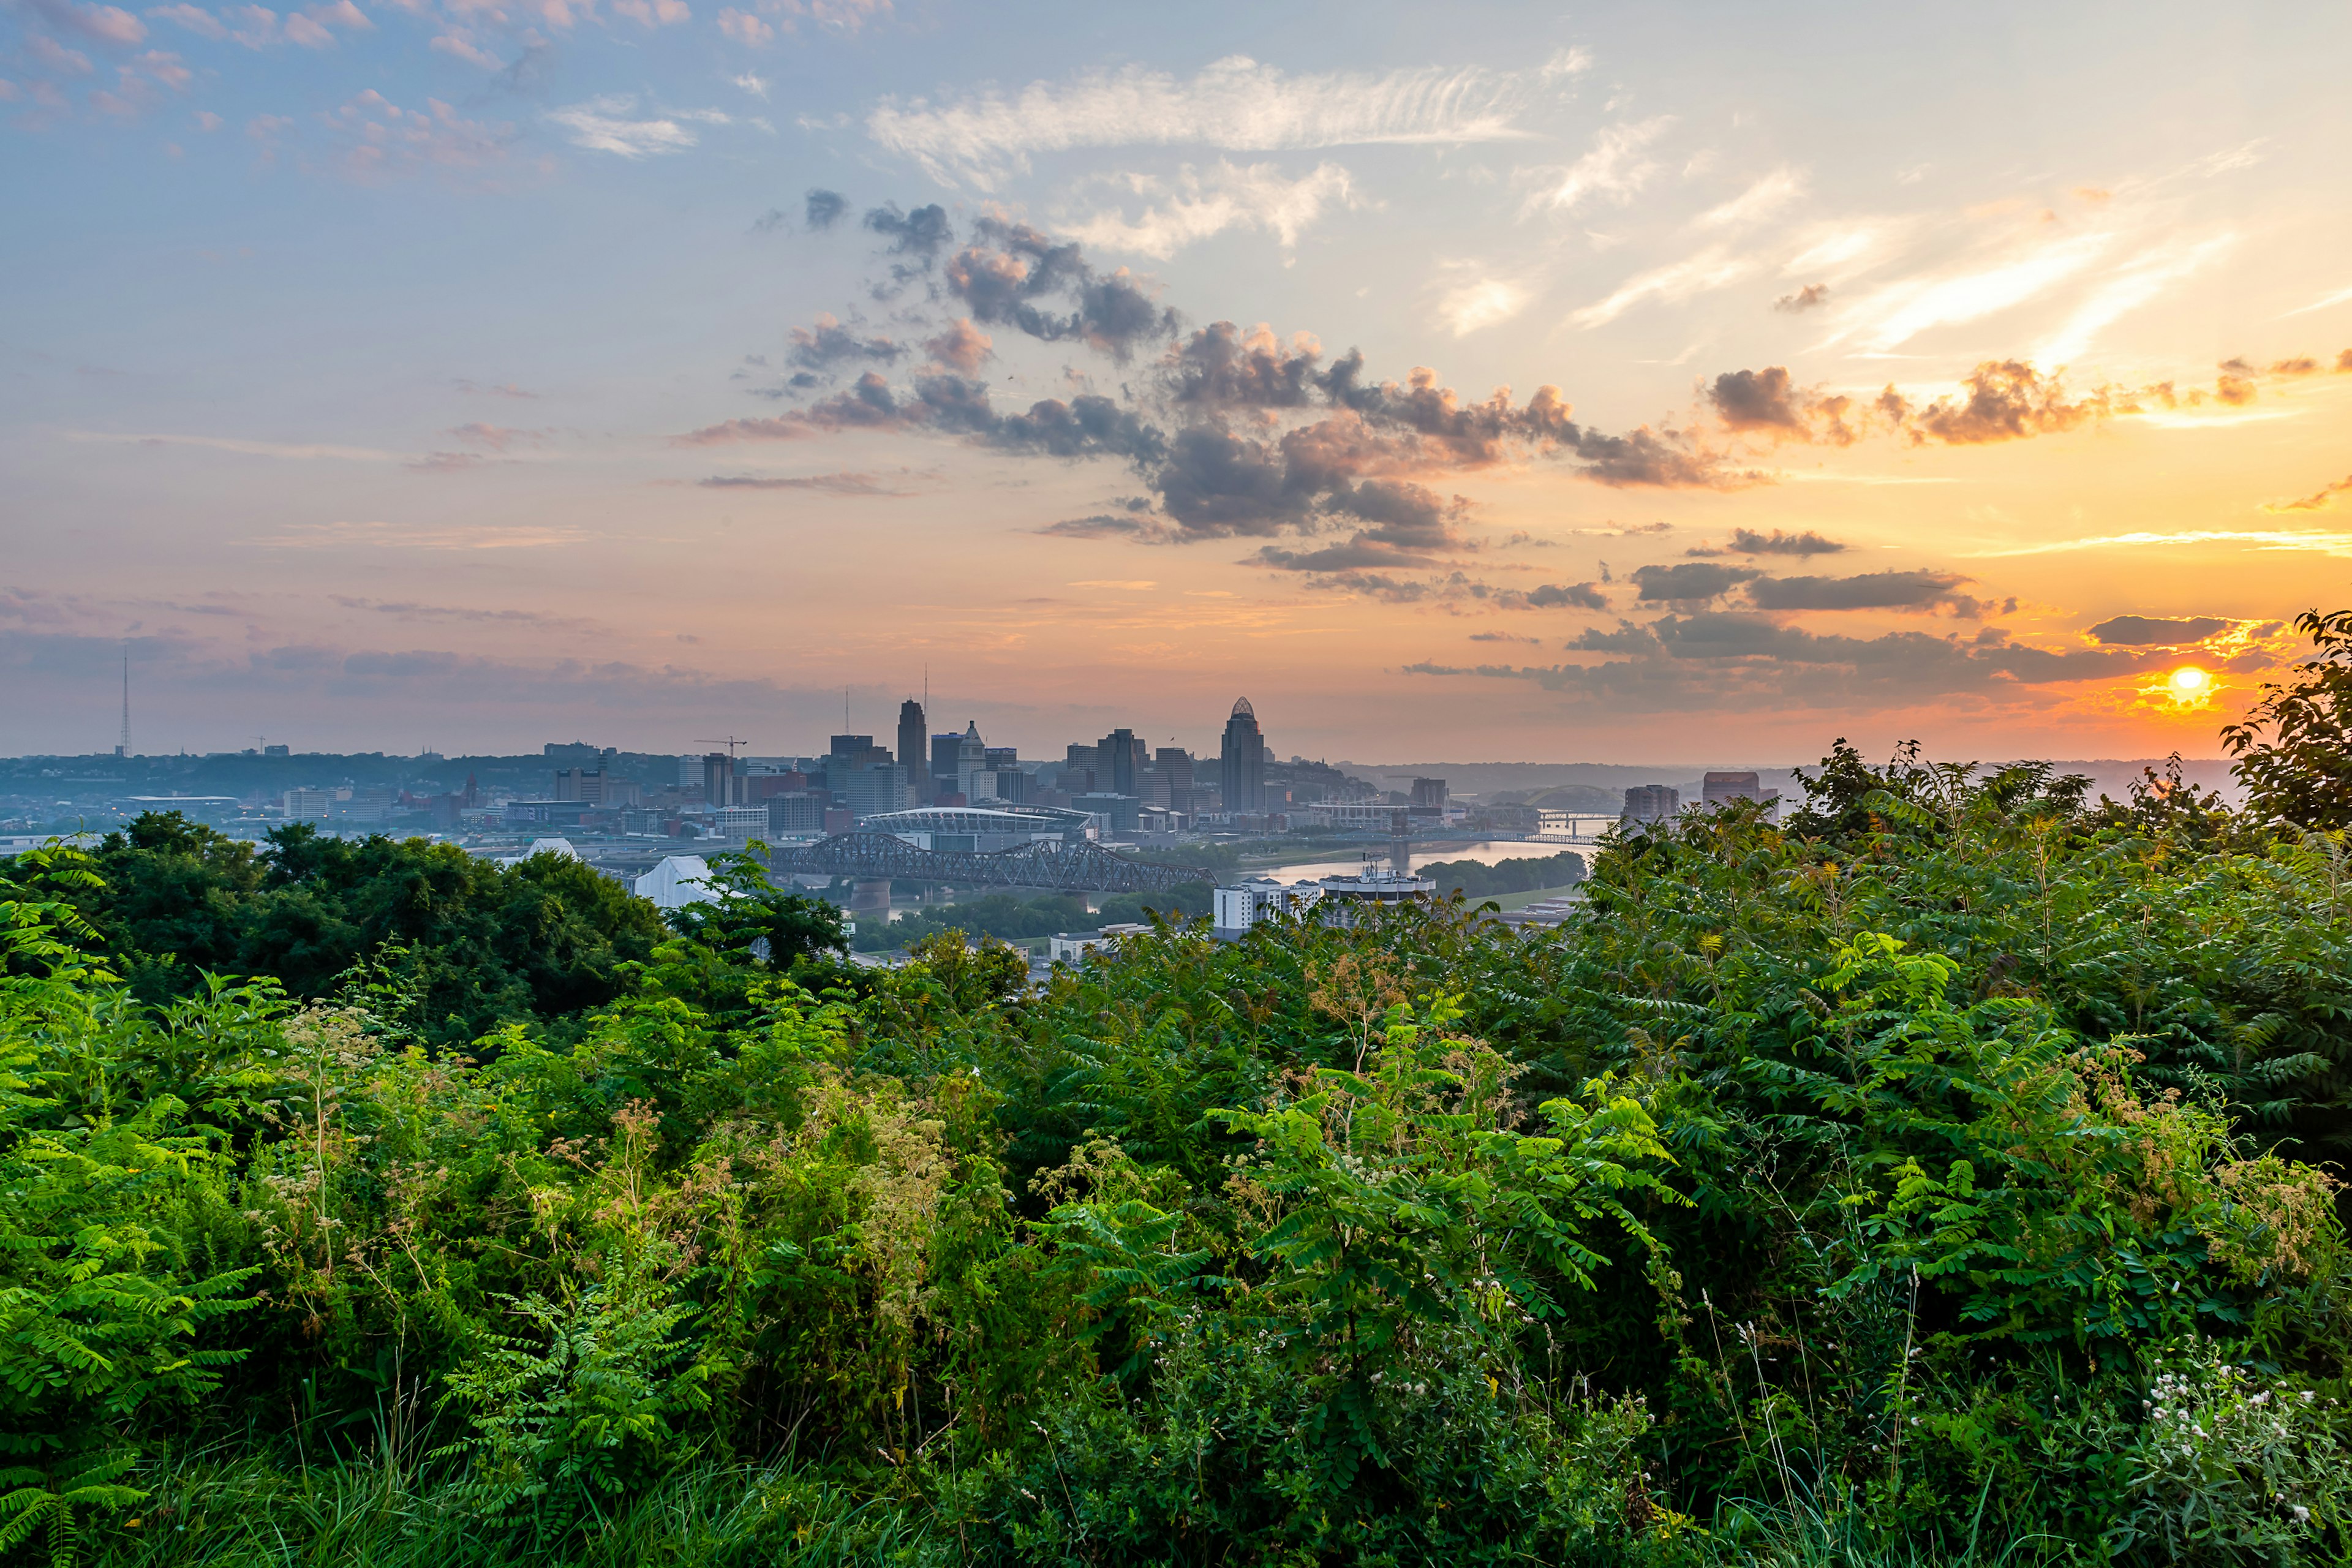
{"x": 123, "y": 749}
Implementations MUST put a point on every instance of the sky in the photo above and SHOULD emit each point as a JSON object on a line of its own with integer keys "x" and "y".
{"x": 1674, "y": 383}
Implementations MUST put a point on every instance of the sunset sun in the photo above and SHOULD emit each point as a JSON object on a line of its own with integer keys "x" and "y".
{"x": 2190, "y": 683}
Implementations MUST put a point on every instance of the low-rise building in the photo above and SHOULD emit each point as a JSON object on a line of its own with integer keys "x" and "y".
{"x": 1073, "y": 946}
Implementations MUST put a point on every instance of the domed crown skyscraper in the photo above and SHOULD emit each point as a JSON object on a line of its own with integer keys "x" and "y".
{"x": 1243, "y": 759}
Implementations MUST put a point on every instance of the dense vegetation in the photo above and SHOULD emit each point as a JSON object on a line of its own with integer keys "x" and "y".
{"x": 1942, "y": 1174}
{"x": 1476, "y": 880}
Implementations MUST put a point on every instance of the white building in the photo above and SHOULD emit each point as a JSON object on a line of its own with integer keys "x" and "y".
{"x": 1072, "y": 946}
{"x": 677, "y": 881}
{"x": 739, "y": 823}
{"x": 1244, "y": 903}
{"x": 308, "y": 805}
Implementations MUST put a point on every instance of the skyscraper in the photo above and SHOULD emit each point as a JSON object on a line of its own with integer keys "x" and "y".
{"x": 1123, "y": 755}
{"x": 1243, "y": 759}
{"x": 973, "y": 777}
{"x": 915, "y": 748}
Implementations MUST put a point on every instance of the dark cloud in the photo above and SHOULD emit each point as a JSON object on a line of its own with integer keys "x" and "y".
{"x": 1870, "y": 591}
{"x": 829, "y": 343}
{"x": 1088, "y": 425}
{"x": 1572, "y": 595}
{"x": 1143, "y": 529}
{"x": 1748, "y": 542}
{"x": 2156, "y": 631}
{"x": 1728, "y": 661}
{"x": 921, "y": 233}
{"x": 824, "y": 208}
{"x": 1803, "y": 299}
{"x": 1410, "y": 526}
{"x": 1220, "y": 366}
{"x": 1017, "y": 276}
{"x": 1504, "y": 636}
{"x": 1768, "y": 401}
{"x": 1689, "y": 582}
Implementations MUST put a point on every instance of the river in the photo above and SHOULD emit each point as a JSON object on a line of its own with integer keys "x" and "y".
{"x": 1486, "y": 852}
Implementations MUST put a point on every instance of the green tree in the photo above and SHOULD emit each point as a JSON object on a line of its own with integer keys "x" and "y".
{"x": 2300, "y": 771}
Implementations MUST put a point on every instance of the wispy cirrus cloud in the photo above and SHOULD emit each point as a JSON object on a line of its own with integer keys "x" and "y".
{"x": 1237, "y": 104}
{"x": 612, "y": 124}
{"x": 1198, "y": 204}
{"x": 298, "y": 451}
{"x": 1615, "y": 168}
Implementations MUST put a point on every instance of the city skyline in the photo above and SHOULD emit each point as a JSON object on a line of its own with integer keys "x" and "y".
{"x": 415, "y": 375}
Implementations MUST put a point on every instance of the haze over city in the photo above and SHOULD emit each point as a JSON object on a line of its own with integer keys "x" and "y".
{"x": 1474, "y": 382}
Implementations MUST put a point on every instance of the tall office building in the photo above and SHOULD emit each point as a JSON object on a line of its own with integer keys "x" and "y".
{"x": 945, "y": 750}
{"x": 1172, "y": 775}
{"x": 718, "y": 786}
{"x": 1243, "y": 759}
{"x": 915, "y": 748}
{"x": 1123, "y": 762}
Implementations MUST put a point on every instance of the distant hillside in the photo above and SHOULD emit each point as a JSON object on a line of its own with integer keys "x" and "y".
{"x": 1601, "y": 786}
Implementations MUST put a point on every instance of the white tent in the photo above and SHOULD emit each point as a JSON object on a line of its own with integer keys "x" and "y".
{"x": 677, "y": 881}
{"x": 559, "y": 846}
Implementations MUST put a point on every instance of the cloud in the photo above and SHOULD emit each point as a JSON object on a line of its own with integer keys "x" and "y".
{"x": 1236, "y": 104}
{"x": 108, "y": 26}
{"x": 1894, "y": 315}
{"x": 2324, "y": 303}
{"x": 195, "y": 19}
{"x": 824, "y": 208}
{"x": 2157, "y": 631}
{"x": 745, "y": 28}
{"x": 1719, "y": 661}
{"x": 2262, "y": 538}
{"x": 1011, "y": 273}
{"x": 1768, "y": 401}
{"x": 1197, "y": 205}
{"x": 1748, "y": 542}
{"x": 57, "y": 57}
{"x": 1714, "y": 267}
{"x": 1410, "y": 526}
{"x": 502, "y": 389}
{"x": 829, "y": 343}
{"x": 300, "y": 451}
{"x": 1870, "y": 591}
{"x": 382, "y": 139}
{"x": 2125, "y": 288}
{"x": 458, "y": 44}
{"x": 960, "y": 347}
{"x": 1481, "y": 302}
{"x": 2318, "y": 500}
{"x": 1142, "y": 527}
{"x": 1757, "y": 202}
{"x": 842, "y": 484}
{"x": 1614, "y": 169}
{"x": 1504, "y": 636}
{"x": 1571, "y": 595}
{"x": 600, "y": 126}
{"x": 1690, "y": 581}
{"x": 378, "y": 535}
{"x": 1809, "y": 297}
{"x": 410, "y": 610}
{"x": 654, "y": 13}
{"x": 500, "y": 437}
{"x": 2007, "y": 400}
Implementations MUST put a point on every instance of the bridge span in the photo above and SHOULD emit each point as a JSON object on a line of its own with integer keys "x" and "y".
{"x": 1068, "y": 867}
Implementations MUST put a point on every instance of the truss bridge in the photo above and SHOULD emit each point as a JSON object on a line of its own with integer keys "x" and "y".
{"x": 1068, "y": 867}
